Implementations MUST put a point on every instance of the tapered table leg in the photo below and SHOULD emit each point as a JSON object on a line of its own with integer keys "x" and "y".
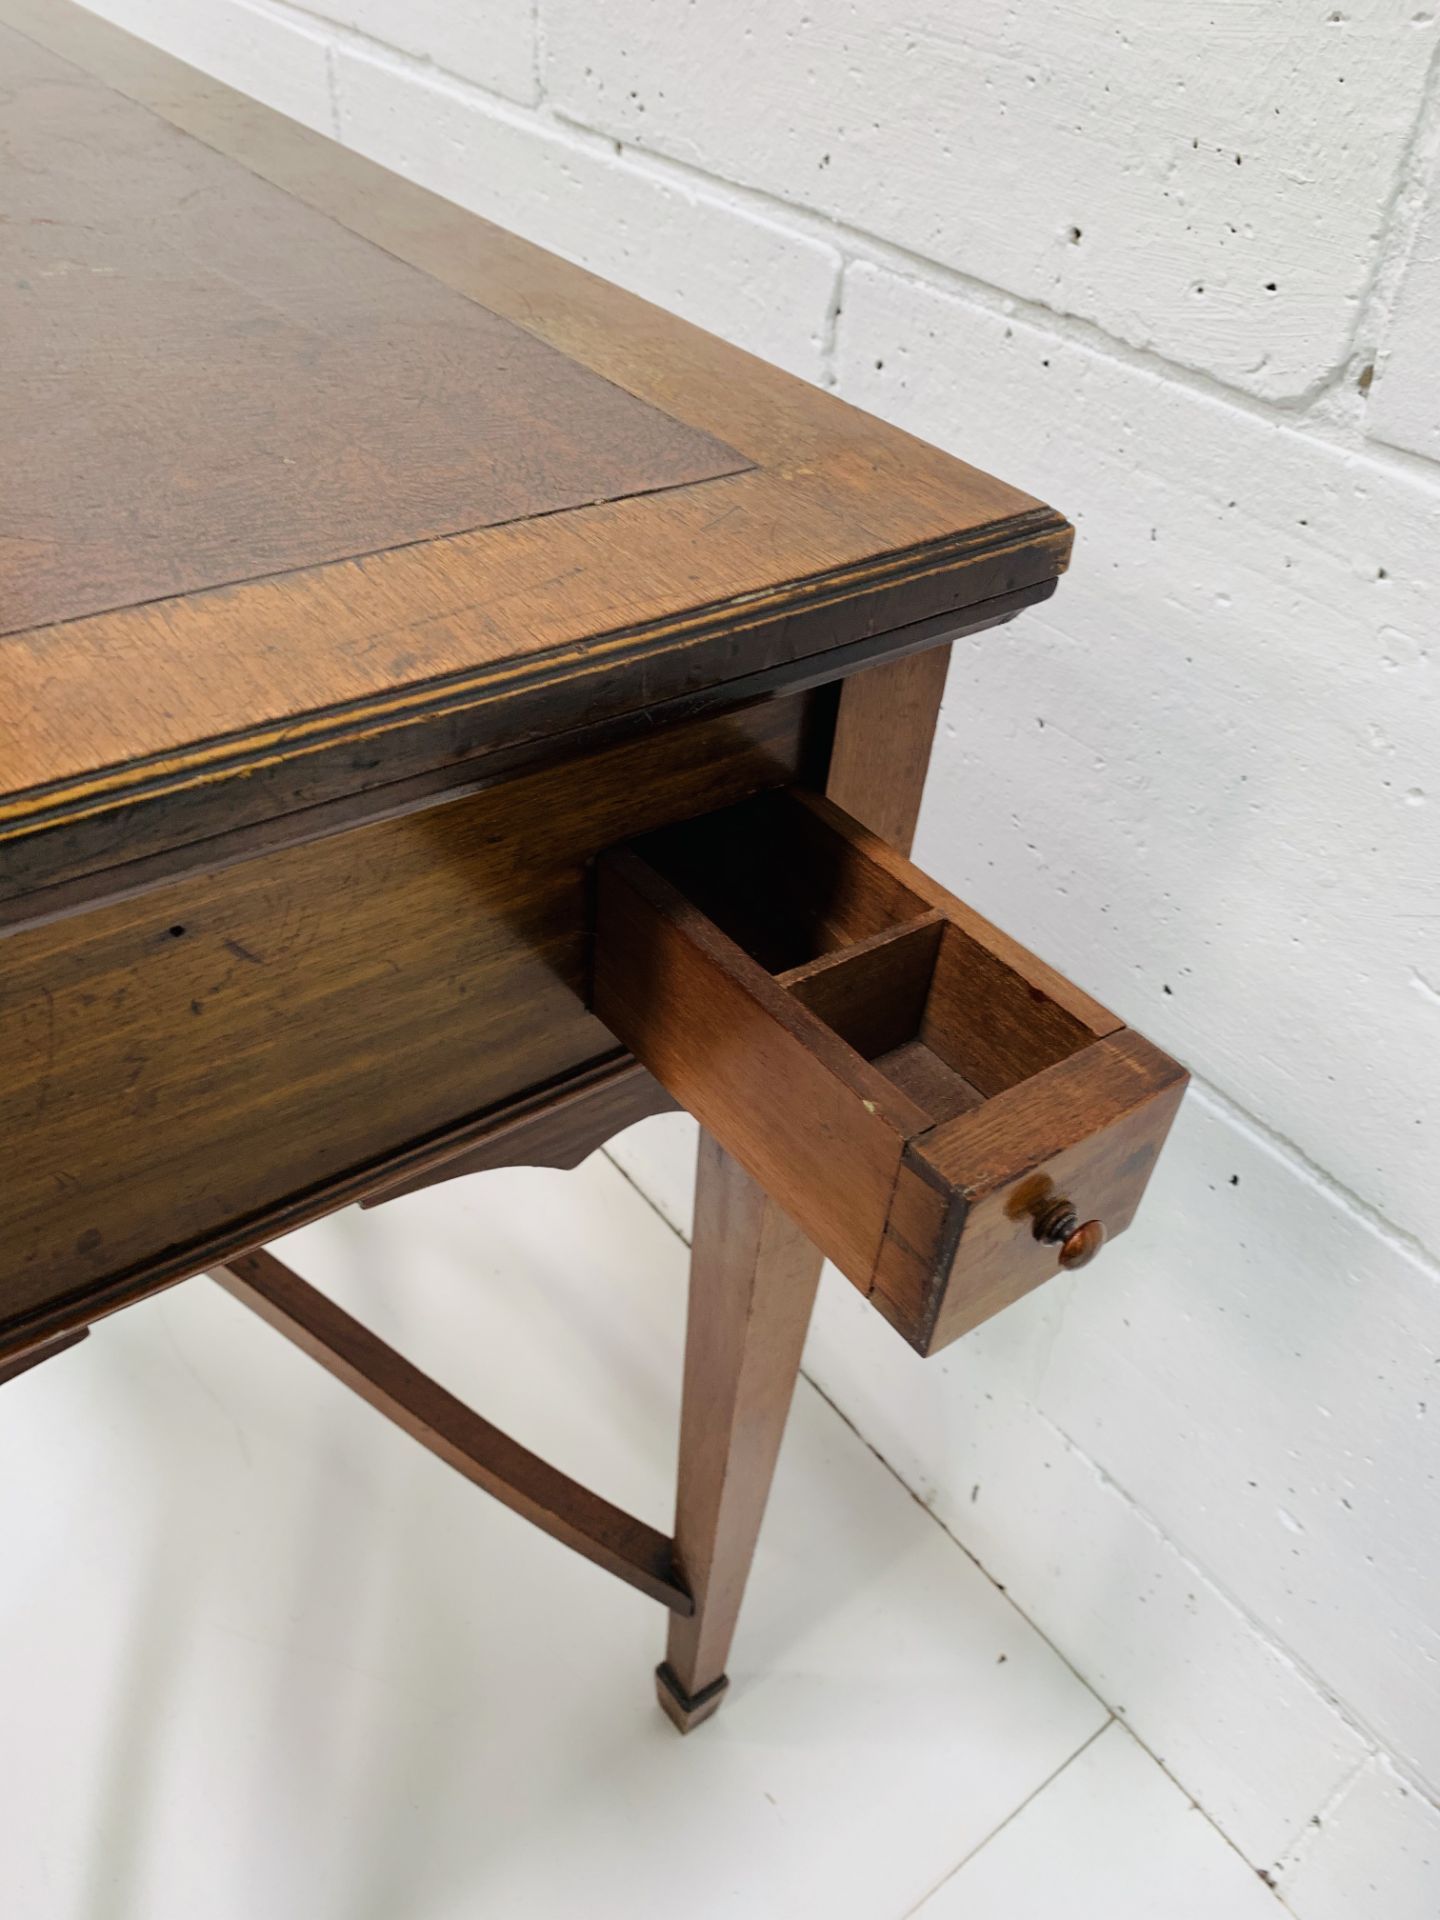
{"x": 752, "y": 1273}
{"x": 753, "y": 1276}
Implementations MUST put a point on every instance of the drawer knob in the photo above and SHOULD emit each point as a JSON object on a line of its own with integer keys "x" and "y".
{"x": 1058, "y": 1224}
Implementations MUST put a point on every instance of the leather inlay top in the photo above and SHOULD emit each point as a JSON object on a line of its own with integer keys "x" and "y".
{"x": 203, "y": 380}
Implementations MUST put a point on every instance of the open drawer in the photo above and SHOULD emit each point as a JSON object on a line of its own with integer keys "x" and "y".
{"x": 947, "y": 1118}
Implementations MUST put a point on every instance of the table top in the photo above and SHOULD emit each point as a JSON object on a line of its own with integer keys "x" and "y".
{"x": 317, "y": 482}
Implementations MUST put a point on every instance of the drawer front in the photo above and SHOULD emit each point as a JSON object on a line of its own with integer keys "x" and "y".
{"x": 176, "y": 1065}
{"x": 948, "y": 1118}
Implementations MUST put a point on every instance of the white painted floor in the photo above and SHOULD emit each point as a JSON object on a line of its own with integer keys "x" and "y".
{"x": 261, "y": 1656}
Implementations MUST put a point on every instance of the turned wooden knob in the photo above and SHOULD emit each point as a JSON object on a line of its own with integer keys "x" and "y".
{"x": 1058, "y": 1225}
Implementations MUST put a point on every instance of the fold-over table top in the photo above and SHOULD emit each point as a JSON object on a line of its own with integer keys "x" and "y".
{"x": 314, "y": 481}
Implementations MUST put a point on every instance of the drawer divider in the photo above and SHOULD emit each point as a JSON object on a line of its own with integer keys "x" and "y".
{"x": 947, "y": 1118}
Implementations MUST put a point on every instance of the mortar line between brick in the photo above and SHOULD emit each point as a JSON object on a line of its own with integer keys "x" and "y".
{"x": 1301, "y": 411}
{"x": 332, "y": 90}
{"x": 1342, "y": 1709}
{"x": 1060, "y": 1655}
{"x": 874, "y": 251}
{"x": 1393, "y": 245}
{"x": 863, "y": 248}
{"x": 1397, "y": 1236}
{"x": 1375, "y": 1746}
{"x": 1112, "y": 1718}
{"x": 1295, "y": 1854}
{"x": 537, "y": 52}
{"x": 413, "y": 66}
{"x": 830, "y": 328}
{"x": 1400, "y": 1239}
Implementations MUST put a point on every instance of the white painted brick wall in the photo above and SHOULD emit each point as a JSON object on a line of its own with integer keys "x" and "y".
{"x": 1405, "y": 399}
{"x": 1205, "y": 181}
{"x": 492, "y": 46}
{"x": 663, "y": 237}
{"x": 1202, "y": 779}
{"x": 1375, "y": 1852}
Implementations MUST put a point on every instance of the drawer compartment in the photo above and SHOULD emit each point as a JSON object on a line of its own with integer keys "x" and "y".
{"x": 948, "y": 1119}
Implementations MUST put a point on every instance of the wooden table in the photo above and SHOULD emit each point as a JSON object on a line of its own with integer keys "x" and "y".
{"x": 441, "y": 699}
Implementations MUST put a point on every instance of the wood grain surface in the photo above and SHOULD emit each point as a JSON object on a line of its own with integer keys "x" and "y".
{"x": 820, "y": 1127}
{"x": 463, "y": 1439}
{"x": 838, "y": 529}
{"x": 908, "y": 1083}
{"x": 558, "y": 1127}
{"x": 752, "y": 1274}
{"x": 753, "y": 1277}
{"x": 1090, "y": 1127}
{"x": 181, "y": 1070}
{"x": 211, "y": 381}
